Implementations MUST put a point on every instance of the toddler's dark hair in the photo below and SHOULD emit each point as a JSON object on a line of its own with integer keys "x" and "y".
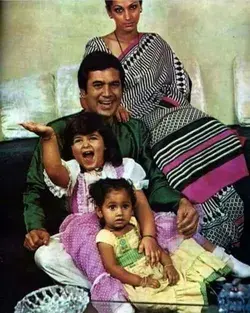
{"x": 99, "y": 190}
{"x": 86, "y": 123}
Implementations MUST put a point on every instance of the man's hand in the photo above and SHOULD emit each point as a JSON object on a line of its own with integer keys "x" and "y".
{"x": 187, "y": 218}
{"x": 151, "y": 249}
{"x": 122, "y": 114}
{"x": 36, "y": 238}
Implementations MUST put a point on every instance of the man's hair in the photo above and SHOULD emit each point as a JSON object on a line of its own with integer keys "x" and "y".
{"x": 86, "y": 123}
{"x": 99, "y": 190}
{"x": 98, "y": 61}
{"x": 109, "y": 3}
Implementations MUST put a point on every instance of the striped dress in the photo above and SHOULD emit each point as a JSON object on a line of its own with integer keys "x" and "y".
{"x": 199, "y": 156}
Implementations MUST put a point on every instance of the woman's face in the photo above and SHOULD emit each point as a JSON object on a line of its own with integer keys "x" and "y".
{"x": 88, "y": 150}
{"x": 126, "y": 14}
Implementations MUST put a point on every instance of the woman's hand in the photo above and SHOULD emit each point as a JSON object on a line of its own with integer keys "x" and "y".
{"x": 149, "y": 282}
{"x": 122, "y": 114}
{"x": 39, "y": 129}
{"x": 171, "y": 274}
{"x": 151, "y": 250}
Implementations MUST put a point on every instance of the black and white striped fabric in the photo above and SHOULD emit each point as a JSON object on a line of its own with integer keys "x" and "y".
{"x": 157, "y": 90}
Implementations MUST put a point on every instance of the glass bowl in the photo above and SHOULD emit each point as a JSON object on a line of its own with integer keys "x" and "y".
{"x": 56, "y": 299}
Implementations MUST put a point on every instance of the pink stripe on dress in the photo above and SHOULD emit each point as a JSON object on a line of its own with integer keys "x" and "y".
{"x": 167, "y": 168}
{"x": 225, "y": 175}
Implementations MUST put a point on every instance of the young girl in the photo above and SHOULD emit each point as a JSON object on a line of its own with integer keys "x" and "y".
{"x": 118, "y": 243}
{"x": 95, "y": 154}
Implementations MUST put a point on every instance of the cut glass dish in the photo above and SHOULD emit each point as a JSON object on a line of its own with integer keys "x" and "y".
{"x": 56, "y": 299}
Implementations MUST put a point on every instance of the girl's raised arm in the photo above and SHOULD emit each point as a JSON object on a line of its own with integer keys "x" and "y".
{"x": 51, "y": 155}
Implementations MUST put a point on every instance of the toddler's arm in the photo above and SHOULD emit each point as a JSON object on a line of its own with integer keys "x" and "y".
{"x": 51, "y": 155}
{"x": 169, "y": 270}
{"x": 117, "y": 271}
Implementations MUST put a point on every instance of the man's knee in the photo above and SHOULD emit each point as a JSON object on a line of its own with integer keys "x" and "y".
{"x": 45, "y": 256}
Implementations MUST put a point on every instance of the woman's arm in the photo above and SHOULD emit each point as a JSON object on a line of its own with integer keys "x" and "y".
{"x": 50, "y": 153}
{"x": 117, "y": 271}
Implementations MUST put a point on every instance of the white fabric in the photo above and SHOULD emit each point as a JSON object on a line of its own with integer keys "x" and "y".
{"x": 198, "y": 99}
{"x": 132, "y": 171}
{"x": 242, "y": 90}
{"x": 58, "y": 264}
{"x": 67, "y": 92}
{"x": 27, "y": 99}
{"x": 73, "y": 169}
{"x": 238, "y": 268}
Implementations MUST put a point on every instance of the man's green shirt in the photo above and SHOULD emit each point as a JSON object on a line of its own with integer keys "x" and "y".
{"x": 133, "y": 139}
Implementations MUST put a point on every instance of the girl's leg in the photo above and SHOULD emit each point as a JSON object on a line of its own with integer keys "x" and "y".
{"x": 238, "y": 268}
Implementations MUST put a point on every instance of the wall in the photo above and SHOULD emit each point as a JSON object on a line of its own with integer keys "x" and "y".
{"x": 39, "y": 35}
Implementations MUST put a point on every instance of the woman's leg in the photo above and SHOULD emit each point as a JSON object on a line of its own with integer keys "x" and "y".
{"x": 223, "y": 218}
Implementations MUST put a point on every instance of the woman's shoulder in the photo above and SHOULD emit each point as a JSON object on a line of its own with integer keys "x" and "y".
{"x": 93, "y": 41}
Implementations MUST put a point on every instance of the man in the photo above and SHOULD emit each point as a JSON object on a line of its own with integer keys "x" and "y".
{"x": 101, "y": 80}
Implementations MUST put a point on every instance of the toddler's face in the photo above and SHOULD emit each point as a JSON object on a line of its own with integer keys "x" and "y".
{"x": 88, "y": 150}
{"x": 116, "y": 209}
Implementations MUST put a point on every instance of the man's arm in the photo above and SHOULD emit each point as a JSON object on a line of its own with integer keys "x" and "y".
{"x": 34, "y": 216}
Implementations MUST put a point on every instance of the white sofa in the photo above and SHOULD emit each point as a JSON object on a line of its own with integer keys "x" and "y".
{"x": 45, "y": 97}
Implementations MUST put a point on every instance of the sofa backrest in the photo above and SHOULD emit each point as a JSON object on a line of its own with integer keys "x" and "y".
{"x": 46, "y": 97}
{"x": 241, "y": 70}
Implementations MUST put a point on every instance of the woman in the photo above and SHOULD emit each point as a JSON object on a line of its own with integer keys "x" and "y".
{"x": 196, "y": 152}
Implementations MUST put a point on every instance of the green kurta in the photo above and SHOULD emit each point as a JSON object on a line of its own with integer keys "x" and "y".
{"x": 133, "y": 138}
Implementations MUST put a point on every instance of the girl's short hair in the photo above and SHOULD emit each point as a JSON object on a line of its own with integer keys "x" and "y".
{"x": 86, "y": 123}
{"x": 109, "y": 3}
{"x": 99, "y": 190}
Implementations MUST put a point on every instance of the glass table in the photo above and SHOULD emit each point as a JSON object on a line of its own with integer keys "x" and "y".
{"x": 71, "y": 299}
{"x": 165, "y": 308}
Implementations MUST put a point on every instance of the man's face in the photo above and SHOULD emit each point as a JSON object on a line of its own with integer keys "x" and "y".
{"x": 104, "y": 92}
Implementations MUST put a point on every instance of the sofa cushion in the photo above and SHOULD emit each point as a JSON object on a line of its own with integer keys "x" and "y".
{"x": 67, "y": 92}
{"x": 241, "y": 68}
{"x": 30, "y": 98}
{"x": 197, "y": 95}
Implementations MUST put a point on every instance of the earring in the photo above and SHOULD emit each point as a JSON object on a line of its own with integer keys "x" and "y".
{"x": 140, "y": 10}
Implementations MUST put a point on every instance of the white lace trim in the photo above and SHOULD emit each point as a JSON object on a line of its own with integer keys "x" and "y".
{"x": 72, "y": 167}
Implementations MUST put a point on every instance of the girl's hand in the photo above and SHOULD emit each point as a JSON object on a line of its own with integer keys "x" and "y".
{"x": 122, "y": 114}
{"x": 171, "y": 274}
{"x": 39, "y": 129}
{"x": 151, "y": 249}
{"x": 150, "y": 282}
